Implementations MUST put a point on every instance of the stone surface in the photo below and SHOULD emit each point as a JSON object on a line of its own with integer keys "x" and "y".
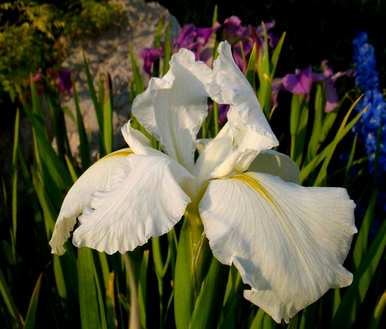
{"x": 108, "y": 53}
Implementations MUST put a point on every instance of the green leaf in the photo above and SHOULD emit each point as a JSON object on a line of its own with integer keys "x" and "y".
{"x": 108, "y": 116}
{"x": 262, "y": 321}
{"x": 111, "y": 315}
{"x": 328, "y": 151}
{"x": 45, "y": 203}
{"x": 137, "y": 84}
{"x": 102, "y": 314}
{"x": 350, "y": 162}
{"x": 8, "y": 299}
{"x": 134, "y": 320}
{"x": 251, "y": 67}
{"x": 33, "y": 305}
{"x": 208, "y": 303}
{"x": 88, "y": 295}
{"x": 276, "y": 55}
{"x": 92, "y": 93}
{"x": 264, "y": 74}
{"x": 71, "y": 169}
{"x": 356, "y": 293}
{"x": 142, "y": 288}
{"x": 378, "y": 312}
{"x": 298, "y": 126}
{"x": 167, "y": 49}
{"x": 232, "y": 300}
{"x": 315, "y": 139}
{"x": 309, "y": 316}
{"x": 342, "y": 131}
{"x": 159, "y": 31}
{"x": 46, "y": 156}
{"x": 84, "y": 147}
{"x": 15, "y": 174}
{"x": 60, "y": 279}
{"x": 215, "y": 15}
{"x": 362, "y": 238}
{"x": 192, "y": 257}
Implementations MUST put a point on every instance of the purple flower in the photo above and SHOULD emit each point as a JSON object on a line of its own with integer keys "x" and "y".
{"x": 64, "y": 81}
{"x": 196, "y": 40}
{"x": 299, "y": 83}
{"x": 149, "y": 56}
{"x": 329, "y": 79}
{"x": 233, "y": 30}
{"x": 222, "y": 113}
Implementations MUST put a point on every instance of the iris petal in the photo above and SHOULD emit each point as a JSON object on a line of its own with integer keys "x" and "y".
{"x": 287, "y": 241}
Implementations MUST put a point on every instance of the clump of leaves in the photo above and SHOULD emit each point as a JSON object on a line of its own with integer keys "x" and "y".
{"x": 34, "y": 36}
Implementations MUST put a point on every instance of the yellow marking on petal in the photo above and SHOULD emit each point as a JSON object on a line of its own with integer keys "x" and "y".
{"x": 119, "y": 153}
{"x": 260, "y": 189}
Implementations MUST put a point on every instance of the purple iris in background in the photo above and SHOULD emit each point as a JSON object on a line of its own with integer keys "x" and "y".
{"x": 196, "y": 39}
{"x": 149, "y": 56}
{"x": 242, "y": 38}
{"x": 64, "y": 82}
{"x": 300, "y": 83}
{"x": 329, "y": 78}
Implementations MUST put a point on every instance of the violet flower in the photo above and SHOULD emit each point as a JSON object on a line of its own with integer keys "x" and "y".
{"x": 299, "y": 83}
{"x": 64, "y": 82}
{"x": 149, "y": 56}
{"x": 329, "y": 79}
{"x": 196, "y": 39}
{"x": 243, "y": 38}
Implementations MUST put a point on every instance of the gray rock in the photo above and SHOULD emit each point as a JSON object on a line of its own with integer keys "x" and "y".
{"x": 108, "y": 53}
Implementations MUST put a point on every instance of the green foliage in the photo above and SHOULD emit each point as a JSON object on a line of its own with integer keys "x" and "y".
{"x": 35, "y": 37}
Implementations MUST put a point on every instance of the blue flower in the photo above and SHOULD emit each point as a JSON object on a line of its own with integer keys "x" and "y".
{"x": 371, "y": 126}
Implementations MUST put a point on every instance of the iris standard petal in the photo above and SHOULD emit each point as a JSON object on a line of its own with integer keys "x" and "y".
{"x": 247, "y": 131}
{"x": 276, "y": 164}
{"x": 99, "y": 177}
{"x": 148, "y": 201}
{"x": 173, "y": 108}
{"x": 287, "y": 241}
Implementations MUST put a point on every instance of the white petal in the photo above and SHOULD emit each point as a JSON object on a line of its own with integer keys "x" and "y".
{"x": 174, "y": 107}
{"x": 147, "y": 202}
{"x": 137, "y": 141}
{"x": 288, "y": 242}
{"x": 247, "y": 127}
{"x": 276, "y": 164}
{"x": 100, "y": 176}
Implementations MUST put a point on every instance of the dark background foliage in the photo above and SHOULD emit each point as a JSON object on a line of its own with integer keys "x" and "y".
{"x": 317, "y": 29}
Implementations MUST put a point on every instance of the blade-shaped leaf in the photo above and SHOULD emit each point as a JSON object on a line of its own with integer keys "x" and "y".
{"x": 33, "y": 305}
{"x": 88, "y": 295}
{"x": 208, "y": 303}
{"x": 356, "y": 293}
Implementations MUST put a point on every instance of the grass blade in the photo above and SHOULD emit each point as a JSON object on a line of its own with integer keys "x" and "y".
{"x": 361, "y": 241}
{"x": 88, "y": 296}
{"x": 378, "y": 312}
{"x": 84, "y": 146}
{"x": 208, "y": 303}
{"x": 8, "y": 299}
{"x": 356, "y": 293}
{"x": 276, "y": 54}
{"x": 33, "y": 305}
{"x": 15, "y": 174}
{"x": 167, "y": 50}
{"x": 108, "y": 115}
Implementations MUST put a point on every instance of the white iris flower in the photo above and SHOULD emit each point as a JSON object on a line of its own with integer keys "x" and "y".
{"x": 288, "y": 242}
